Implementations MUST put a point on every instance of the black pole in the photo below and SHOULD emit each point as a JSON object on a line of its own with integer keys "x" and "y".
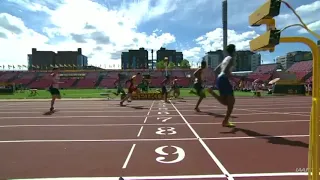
{"x": 152, "y": 59}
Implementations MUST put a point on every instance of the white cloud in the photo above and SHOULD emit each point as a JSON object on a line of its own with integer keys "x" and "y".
{"x": 213, "y": 40}
{"x": 308, "y": 8}
{"x": 309, "y": 13}
{"x": 192, "y": 53}
{"x": 118, "y": 27}
{"x": 315, "y": 26}
{"x": 16, "y": 47}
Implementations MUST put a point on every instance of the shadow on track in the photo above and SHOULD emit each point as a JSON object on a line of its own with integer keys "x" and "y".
{"x": 48, "y": 113}
{"x": 271, "y": 139}
{"x": 214, "y": 114}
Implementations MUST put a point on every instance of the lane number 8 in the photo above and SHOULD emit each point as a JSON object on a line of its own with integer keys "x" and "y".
{"x": 166, "y": 131}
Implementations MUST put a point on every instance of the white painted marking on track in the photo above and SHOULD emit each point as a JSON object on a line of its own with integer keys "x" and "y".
{"x": 166, "y": 131}
{"x": 145, "y": 119}
{"x": 274, "y": 112}
{"x": 162, "y": 159}
{"x": 94, "y": 140}
{"x": 254, "y": 137}
{"x": 163, "y": 112}
{"x": 128, "y": 157}
{"x": 139, "y": 133}
{"x": 146, "y": 140}
{"x": 177, "y": 177}
{"x": 100, "y": 125}
{"x": 271, "y": 174}
{"x": 190, "y": 115}
{"x": 215, "y": 159}
{"x": 164, "y": 119}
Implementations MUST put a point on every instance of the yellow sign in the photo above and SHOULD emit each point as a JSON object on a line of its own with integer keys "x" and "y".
{"x": 147, "y": 96}
{"x": 6, "y": 84}
{"x": 289, "y": 82}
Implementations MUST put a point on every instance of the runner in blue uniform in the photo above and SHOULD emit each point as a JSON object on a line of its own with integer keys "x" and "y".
{"x": 224, "y": 86}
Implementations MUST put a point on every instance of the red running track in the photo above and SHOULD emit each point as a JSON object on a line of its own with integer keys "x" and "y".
{"x": 153, "y": 140}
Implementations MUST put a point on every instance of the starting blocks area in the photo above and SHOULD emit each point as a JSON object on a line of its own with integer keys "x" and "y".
{"x": 155, "y": 140}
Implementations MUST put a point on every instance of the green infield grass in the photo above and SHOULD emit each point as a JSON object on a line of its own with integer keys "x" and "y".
{"x": 90, "y": 93}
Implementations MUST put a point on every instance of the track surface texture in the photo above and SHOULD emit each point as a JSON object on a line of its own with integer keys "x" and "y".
{"x": 155, "y": 140}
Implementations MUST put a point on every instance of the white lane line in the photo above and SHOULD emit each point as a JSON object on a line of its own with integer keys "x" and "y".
{"x": 139, "y": 124}
{"x": 255, "y": 137}
{"x": 171, "y": 115}
{"x": 146, "y": 140}
{"x": 176, "y": 177}
{"x": 92, "y": 140}
{"x": 271, "y": 174}
{"x": 273, "y": 112}
{"x": 140, "y": 131}
{"x": 145, "y": 119}
{"x": 128, "y": 157}
{"x": 115, "y": 109}
{"x": 215, "y": 159}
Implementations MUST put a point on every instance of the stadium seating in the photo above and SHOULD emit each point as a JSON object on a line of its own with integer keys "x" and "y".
{"x": 24, "y": 78}
{"x": 301, "y": 66}
{"x": 67, "y": 83}
{"x": 39, "y": 80}
{"x": 178, "y": 73}
{"x": 266, "y": 68}
{"x": 113, "y": 74}
{"x": 5, "y": 77}
{"x": 301, "y": 69}
{"x": 89, "y": 81}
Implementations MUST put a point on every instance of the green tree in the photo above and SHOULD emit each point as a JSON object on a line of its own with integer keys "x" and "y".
{"x": 171, "y": 65}
{"x": 185, "y": 64}
{"x": 160, "y": 65}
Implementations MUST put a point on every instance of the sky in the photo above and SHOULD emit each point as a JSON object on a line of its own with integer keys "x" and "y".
{"x": 105, "y": 28}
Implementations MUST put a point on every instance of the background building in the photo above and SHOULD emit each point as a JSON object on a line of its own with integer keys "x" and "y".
{"x": 247, "y": 61}
{"x": 213, "y": 58}
{"x": 42, "y": 60}
{"x": 138, "y": 59}
{"x": 255, "y": 61}
{"x": 179, "y": 57}
{"x": 172, "y": 55}
{"x": 124, "y": 60}
{"x": 290, "y": 58}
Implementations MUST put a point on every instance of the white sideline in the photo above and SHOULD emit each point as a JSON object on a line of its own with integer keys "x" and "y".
{"x": 177, "y": 177}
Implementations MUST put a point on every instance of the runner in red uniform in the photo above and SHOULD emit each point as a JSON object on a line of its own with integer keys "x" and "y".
{"x": 132, "y": 88}
{"x": 54, "y": 87}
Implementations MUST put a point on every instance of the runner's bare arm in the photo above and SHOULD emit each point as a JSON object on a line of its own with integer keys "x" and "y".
{"x": 197, "y": 73}
{"x": 115, "y": 82}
